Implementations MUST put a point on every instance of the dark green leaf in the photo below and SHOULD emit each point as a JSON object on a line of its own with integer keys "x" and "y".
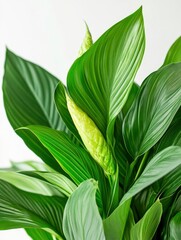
{"x": 81, "y": 219}
{"x": 147, "y": 226}
{"x": 153, "y": 110}
{"x": 175, "y": 227}
{"x": 29, "y": 94}
{"x": 99, "y": 81}
{"x": 25, "y": 209}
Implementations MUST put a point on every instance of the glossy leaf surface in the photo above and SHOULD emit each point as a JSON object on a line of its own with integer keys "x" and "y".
{"x": 81, "y": 219}
{"x": 153, "y": 110}
{"x": 162, "y": 163}
{"x": 99, "y": 81}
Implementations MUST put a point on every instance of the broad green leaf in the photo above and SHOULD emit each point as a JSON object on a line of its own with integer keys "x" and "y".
{"x": 29, "y": 94}
{"x": 29, "y": 184}
{"x": 81, "y": 219}
{"x": 39, "y": 234}
{"x": 99, "y": 82}
{"x": 87, "y": 42}
{"x": 65, "y": 185}
{"x": 114, "y": 225}
{"x": 153, "y": 110}
{"x": 160, "y": 165}
{"x": 175, "y": 227}
{"x": 30, "y": 166}
{"x": 174, "y": 53}
{"x": 73, "y": 159}
{"x": 147, "y": 226}
{"x": 23, "y": 209}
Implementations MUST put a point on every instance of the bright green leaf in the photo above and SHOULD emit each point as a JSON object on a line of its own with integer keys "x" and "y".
{"x": 99, "y": 81}
{"x": 174, "y": 53}
{"x": 114, "y": 225}
{"x": 39, "y": 234}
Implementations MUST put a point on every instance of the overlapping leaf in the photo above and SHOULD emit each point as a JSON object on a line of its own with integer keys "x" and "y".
{"x": 175, "y": 227}
{"x": 25, "y": 209}
{"x": 147, "y": 226}
{"x": 153, "y": 110}
{"x": 162, "y": 164}
{"x": 73, "y": 159}
{"x": 99, "y": 81}
{"x": 81, "y": 219}
{"x": 28, "y": 92}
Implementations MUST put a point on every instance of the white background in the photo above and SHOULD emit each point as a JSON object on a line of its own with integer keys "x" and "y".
{"x": 49, "y": 33}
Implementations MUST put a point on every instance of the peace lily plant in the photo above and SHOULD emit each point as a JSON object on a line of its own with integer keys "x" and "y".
{"x": 111, "y": 149}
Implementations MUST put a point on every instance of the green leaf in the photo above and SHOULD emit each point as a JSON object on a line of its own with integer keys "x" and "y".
{"x": 174, "y": 53}
{"x": 114, "y": 225}
{"x": 87, "y": 42}
{"x": 29, "y": 184}
{"x": 39, "y": 234}
{"x": 99, "y": 82}
{"x": 147, "y": 226}
{"x": 153, "y": 110}
{"x": 24, "y": 209}
{"x": 35, "y": 145}
{"x": 65, "y": 185}
{"x": 81, "y": 219}
{"x": 160, "y": 165}
{"x": 175, "y": 227}
{"x": 29, "y": 94}
{"x": 73, "y": 159}
{"x": 30, "y": 166}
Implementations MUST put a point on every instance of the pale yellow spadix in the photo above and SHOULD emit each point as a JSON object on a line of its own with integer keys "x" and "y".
{"x": 92, "y": 137}
{"x": 87, "y": 42}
